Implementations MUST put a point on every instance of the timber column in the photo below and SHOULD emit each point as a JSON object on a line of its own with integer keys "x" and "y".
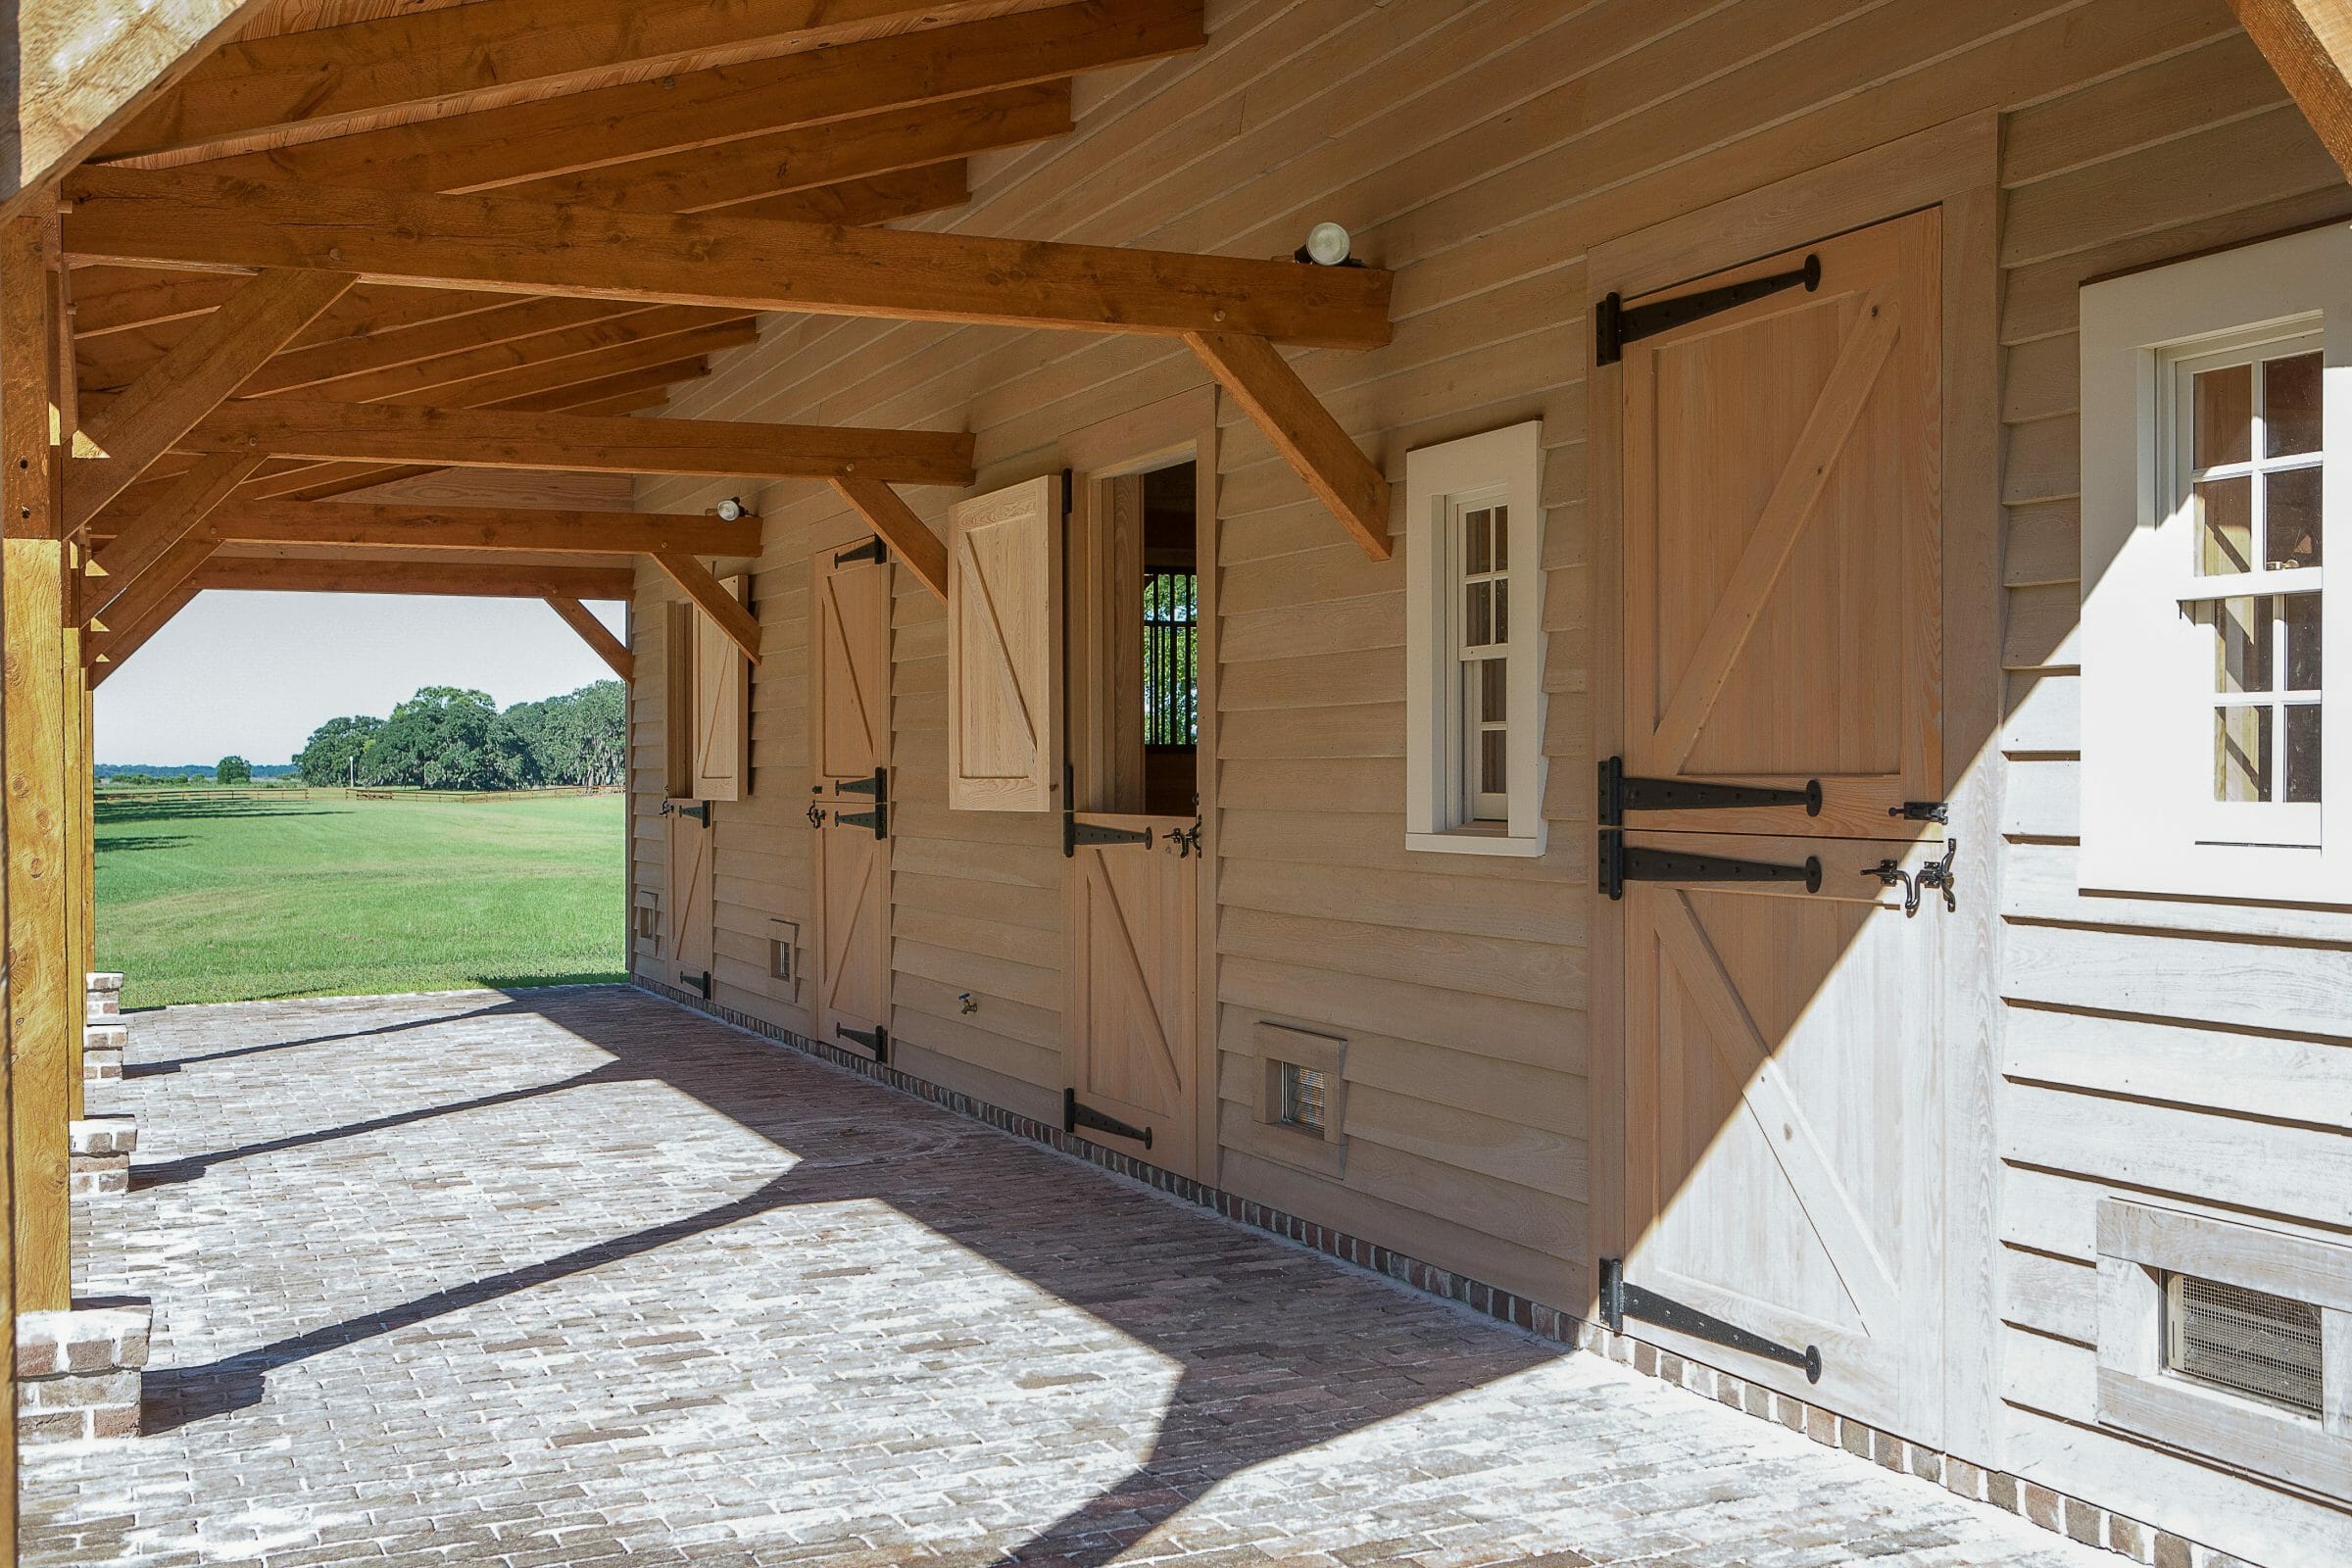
{"x": 42, "y": 993}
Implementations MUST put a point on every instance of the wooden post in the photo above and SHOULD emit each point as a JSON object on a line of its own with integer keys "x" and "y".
{"x": 77, "y": 841}
{"x": 41, "y": 998}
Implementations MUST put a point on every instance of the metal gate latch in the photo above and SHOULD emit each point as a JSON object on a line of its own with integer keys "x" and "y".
{"x": 1940, "y": 874}
{"x": 1891, "y": 873}
{"x": 1187, "y": 840}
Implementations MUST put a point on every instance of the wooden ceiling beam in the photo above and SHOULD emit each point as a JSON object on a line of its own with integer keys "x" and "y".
{"x": 725, "y": 611}
{"x": 809, "y": 157}
{"x": 487, "y": 438}
{"x": 499, "y": 47}
{"x": 596, "y": 635}
{"x": 910, "y": 538}
{"x": 178, "y": 389}
{"x": 360, "y": 526}
{"x": 473, "y": 242}
{"x": 499, "y": 370}
{"x": 107, "y": 651}
{"x": 166, "y": 575}
{"x": 2309, "y": 44}
{"x": 1303, "y": 431}
{"x": 361, "y": 575}
{"x": 178, "y": 511}
{"x": 689, "y": 111}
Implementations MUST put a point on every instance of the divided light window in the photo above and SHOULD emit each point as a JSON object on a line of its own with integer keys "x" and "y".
{"x": 2216, "y": 414}
{"x": 2250, "y": 463}
{"x": 1474, "y": 692}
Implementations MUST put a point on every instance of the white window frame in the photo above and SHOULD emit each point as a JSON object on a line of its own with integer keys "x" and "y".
{"x": 2138, "y": 1245}
{"x": 1500, "y": 467}
{"x": 2149, "y": 822}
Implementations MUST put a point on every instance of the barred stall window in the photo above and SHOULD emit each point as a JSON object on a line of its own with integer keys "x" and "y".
{"x": 1171, "y": 659}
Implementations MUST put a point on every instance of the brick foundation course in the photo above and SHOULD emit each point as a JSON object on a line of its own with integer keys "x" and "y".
{"x": 98, "y": 1154}
{"x": 78, "y": 1372}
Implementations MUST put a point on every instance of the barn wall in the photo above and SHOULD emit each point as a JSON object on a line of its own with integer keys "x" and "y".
{"x": 1479, "y": 148}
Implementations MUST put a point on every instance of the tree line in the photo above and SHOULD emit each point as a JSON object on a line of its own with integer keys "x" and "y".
{"x": 447, "y": 738}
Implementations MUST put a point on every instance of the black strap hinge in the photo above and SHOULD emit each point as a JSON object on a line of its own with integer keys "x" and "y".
{"x": 1074, "y": 1116}
{"x": 1621, "y": 864}
{"x": 700, "y": 982}
{"x": 1621, "y": 793}
{"x": 877, "y": 819}
{"x": 1620, "y": 1301}
{"x": 874, "y": 550}
{"x": 700, "y": 810}
{"x": 875, "y": 1040}
{"x": 1615, "y": 324}
{"x": 1075, "y": 832}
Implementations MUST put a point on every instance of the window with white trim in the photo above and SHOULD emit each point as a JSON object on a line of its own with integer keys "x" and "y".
{"x": 1474, "y": 686}
{"x": 2213, "y": 392}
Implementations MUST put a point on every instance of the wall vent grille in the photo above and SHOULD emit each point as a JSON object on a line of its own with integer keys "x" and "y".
{"x": 2249, "y": 1341}
{"x": 1302, "y": 1100}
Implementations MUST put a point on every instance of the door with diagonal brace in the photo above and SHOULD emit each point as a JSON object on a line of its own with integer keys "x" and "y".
{"x": 849, "y": 730}
{"x": 1782, "y": 629}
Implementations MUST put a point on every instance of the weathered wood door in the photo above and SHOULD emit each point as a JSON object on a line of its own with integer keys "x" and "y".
{"x": 1782, "y": 617}
{"x": 849, "y": 726}
{"x": 1135, "y": 984}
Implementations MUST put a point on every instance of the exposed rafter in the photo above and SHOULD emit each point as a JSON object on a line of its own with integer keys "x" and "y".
{"x": 908, "y": 537}
{"x": 609, "y": 648}
{"x": 1302, "y": 430}
{"x": 2309, "y": 44}
{"x": 172, "y": 517}
{"x": 482, "y": 438}
{"x": 685, "y": 111}
{"x": 361, "y": 575}
{"x": 500, "y": 46}
{"x": 104, "y": 652}
{"x": 474, "y": 242}
{"x": 178, "y": 389}
{"x": 712, "y": 595}
{"x": 414, "y": 527}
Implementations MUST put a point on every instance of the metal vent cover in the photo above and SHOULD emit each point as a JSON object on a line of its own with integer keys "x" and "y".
{"x": 2248, "y": 1342}
{"x": 1302, "y": 1101}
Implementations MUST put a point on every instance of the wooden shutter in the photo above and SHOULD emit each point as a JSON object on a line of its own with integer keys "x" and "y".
{"x": 1004, "y": 650}
{"x": 722, "y": 716}
{"x": 849, "y": 723}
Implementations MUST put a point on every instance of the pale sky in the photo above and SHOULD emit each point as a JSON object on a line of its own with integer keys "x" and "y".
{"x": 254, "y": 673}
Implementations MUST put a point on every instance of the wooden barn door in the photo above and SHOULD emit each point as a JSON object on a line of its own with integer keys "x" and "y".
{"x": 849, "y": 725}
{"x": 709, "y": 702}
{"x": 1135, "y": 982}
{"x": 1782, "y": 617}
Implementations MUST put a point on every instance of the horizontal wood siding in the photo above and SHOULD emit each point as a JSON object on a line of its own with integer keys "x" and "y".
{"x": 1479, "y": 148}
{"x": 2128, "y": 1068}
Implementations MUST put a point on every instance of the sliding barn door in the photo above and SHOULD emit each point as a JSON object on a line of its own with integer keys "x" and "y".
{"x": 849, "y": 726}
{"x": 1781, "y": 549}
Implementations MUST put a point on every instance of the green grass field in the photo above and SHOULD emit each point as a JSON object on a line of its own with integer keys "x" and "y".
{"x": 237, "y": 898}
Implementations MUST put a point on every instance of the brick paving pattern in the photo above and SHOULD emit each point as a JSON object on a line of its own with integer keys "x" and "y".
{"x": 580, "y": 1278}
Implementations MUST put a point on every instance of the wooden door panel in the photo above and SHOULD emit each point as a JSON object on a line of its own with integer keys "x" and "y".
{"x": 852, "y": 880}
{"x": 850, "y": 718}
{"x": 721, "y": 690}
{"x": 849, "y": 699}
{"x": 1134, "y": 1017}
{"x": 1005, "y": 704}
{"x": 1783, "y": 622}
{"x": 1781, "y": 540}
{"x": 689, "y": 903}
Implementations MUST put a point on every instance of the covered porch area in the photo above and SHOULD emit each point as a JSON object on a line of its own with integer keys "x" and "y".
{"x": 406, "y": 1313}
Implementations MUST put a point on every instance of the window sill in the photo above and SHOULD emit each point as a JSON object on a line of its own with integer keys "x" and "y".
{"x": 1472, "y": 841}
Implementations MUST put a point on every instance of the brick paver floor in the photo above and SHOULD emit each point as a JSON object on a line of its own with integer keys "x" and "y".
{"x": 577, "y": 1277}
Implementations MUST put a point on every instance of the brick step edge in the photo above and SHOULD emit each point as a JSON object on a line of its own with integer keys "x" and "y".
{"x": 2072, "y": 1517}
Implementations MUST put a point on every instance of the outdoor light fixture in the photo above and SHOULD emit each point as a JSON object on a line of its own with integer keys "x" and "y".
{"x": 730, "y": 508}
{"x": 1327, "y": 246}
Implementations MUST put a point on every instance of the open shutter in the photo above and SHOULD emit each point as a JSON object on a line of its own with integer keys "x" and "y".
{"x": 1004, "y": 650}
{"x": 722, "y": 708}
